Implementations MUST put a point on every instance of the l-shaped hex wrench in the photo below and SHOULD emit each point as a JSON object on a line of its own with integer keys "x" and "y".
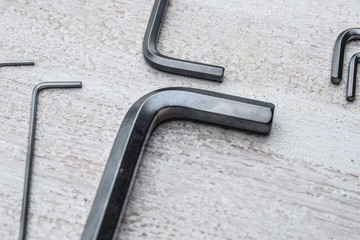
{"x": 138, "y": 124}
{"x": 351, "y": 86}
{"x": 169, "y": 64}
{"x": 339, "y": 50}
{"x": 31, "y": 144}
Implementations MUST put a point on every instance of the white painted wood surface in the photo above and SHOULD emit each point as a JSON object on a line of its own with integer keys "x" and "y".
{"x": 196, "y": 181}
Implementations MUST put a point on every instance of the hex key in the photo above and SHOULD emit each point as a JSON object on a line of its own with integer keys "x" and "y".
{"x": 351, "y": 86}
{"x": 17, "y": 63}
{"x": 138, "y": 124}
{"x": 31, "y": 144}
{"x": 339, "y": 50}
{"x": 169, "y": 64}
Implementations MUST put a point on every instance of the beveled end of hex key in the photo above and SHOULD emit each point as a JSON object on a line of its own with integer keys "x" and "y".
{"x": 351, "y": 85}
{"x": 169, "y": 64}
{"x": 339, "y": 51}
{"x": 139, "y": 122}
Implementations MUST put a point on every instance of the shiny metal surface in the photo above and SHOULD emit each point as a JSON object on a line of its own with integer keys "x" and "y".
{"x": 137, "y": 126}
{"x": 168, "y": 64}
{"x": 31, "y": 144}
{"x": 339, "y": 50}
{"x": 351, "y": 86}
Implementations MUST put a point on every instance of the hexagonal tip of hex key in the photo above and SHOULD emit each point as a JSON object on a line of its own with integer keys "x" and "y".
{"x": 169, "y": 64}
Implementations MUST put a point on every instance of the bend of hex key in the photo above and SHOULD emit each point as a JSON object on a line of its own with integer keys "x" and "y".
{"x": 351, "y": 86}
{"x": 17, "y": 63}
{"x": 139, "y": 122}
{"x": 339, "y": 50}
{"x": 168, "y": 64}
{"x": 31, "y": 144}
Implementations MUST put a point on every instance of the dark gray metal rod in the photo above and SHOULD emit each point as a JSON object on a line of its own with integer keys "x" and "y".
{"x": 17, "y": 63}
{"x": 351, "y": 86}
{"x": 31, "y": 144}
{"x": 137, "y": 126}
{"x": 168, "y": 64}
{"x": 339, "y": 50}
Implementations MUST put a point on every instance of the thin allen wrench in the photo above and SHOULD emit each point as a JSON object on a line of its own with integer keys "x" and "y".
{"x": 17, "y": 63}
{"x": 339, "y": 50}
{"x": 169, "y": 64}
{"x": 351, "y": 86}
{"x": 31, "y": 143}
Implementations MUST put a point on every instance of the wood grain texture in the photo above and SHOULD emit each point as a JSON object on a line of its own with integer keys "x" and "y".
{"x": 196, "y": 181}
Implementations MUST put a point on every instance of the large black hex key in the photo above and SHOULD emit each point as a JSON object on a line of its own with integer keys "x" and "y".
{"x": 138, "y": 124}
{"x": 169, "y": 64}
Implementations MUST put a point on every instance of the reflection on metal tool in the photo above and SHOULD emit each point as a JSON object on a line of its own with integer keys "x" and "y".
{"x": 168, "y": 64}
{"x": 30, "y": 149}
{"x": 138, "y": 124}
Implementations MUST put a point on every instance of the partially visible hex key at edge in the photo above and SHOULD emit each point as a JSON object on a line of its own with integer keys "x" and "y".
{"x": 31, "y": 144}
{"x": 17, "y": 63}
{"x": 168, "y": 64}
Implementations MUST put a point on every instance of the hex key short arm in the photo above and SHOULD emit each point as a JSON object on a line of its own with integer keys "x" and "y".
{"x": 168, "y": 64}
{"x": 31, "y": 144}
{"x": 339, "y": 50}
{"x": 351, "y": 86}
{"x": 138, "y": 124}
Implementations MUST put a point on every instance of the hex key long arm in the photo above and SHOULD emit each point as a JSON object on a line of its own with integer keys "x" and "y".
{"x": 339, "y": 50}
{"x": 168, "y": 64}
{"x": 351, "y": 86}
{"x": 31, "y": 144}
{"x": 138, "y": 124}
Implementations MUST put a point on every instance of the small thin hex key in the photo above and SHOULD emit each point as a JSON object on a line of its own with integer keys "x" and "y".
{"x": 351, "y": 86}
{"x": 169, "y": 64}
{"x": 17, "y": 63}
{"x": 31, "y": 143}
{"x": 339, "y": 50}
